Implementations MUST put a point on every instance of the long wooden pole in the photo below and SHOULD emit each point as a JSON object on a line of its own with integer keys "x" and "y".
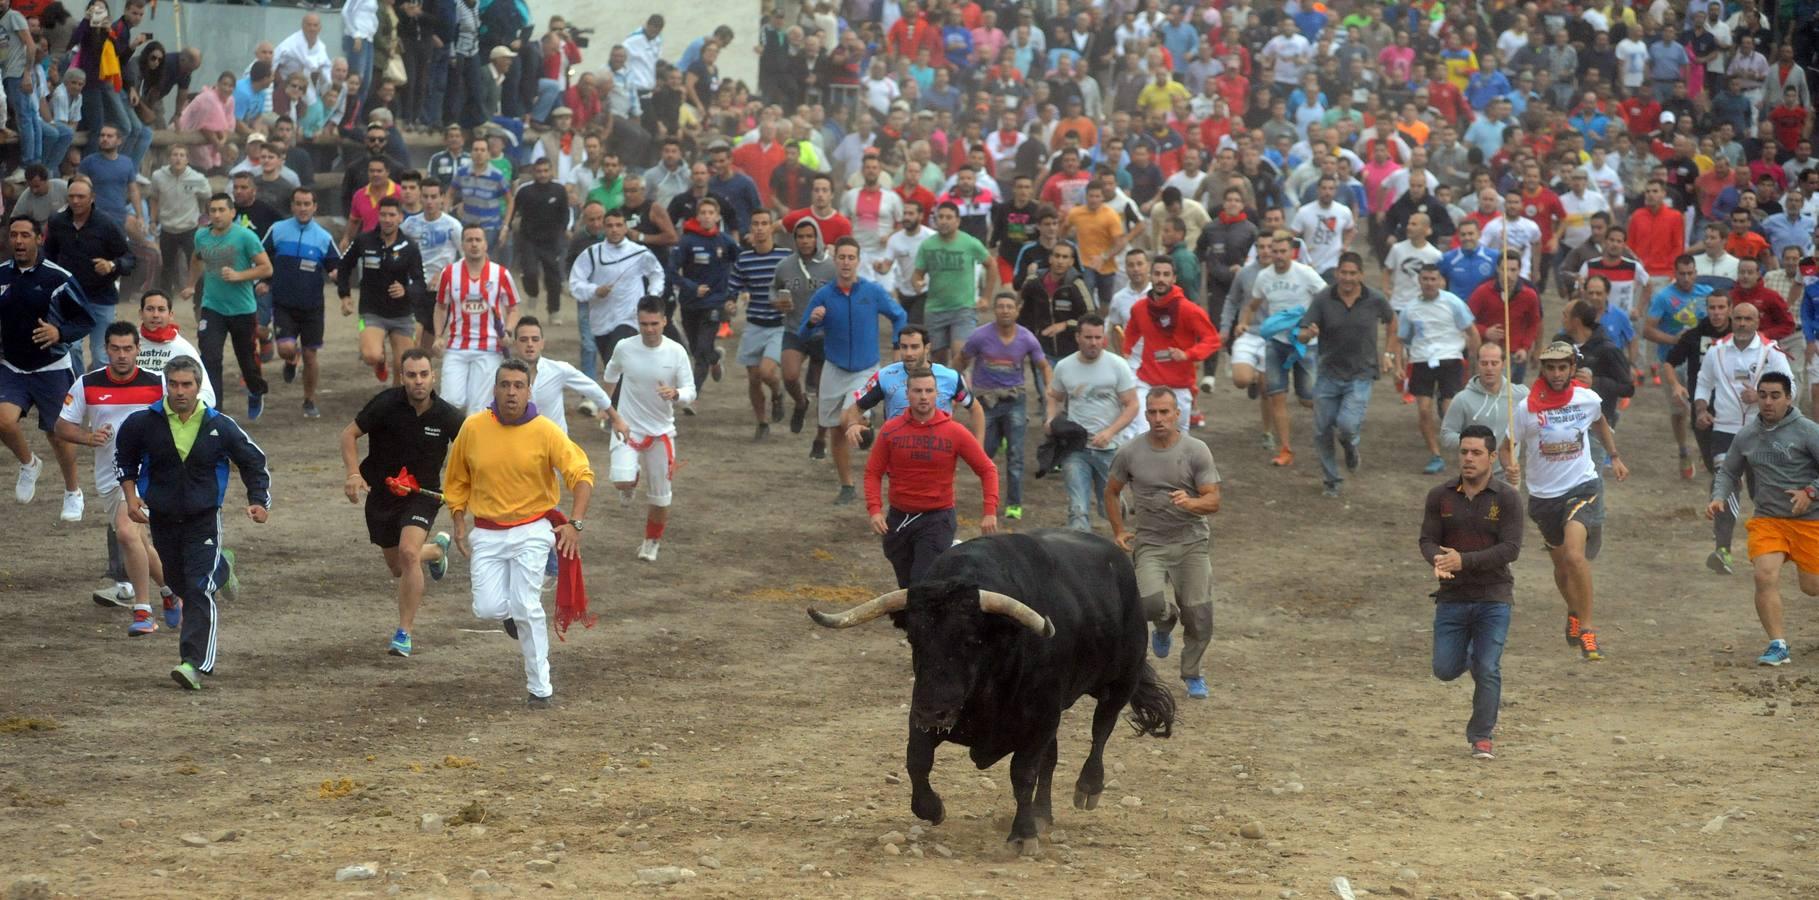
{"x": 1509, "y": 339}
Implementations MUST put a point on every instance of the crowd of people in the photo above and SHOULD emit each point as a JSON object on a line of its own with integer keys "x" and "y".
{"x": 1062, "y": 210}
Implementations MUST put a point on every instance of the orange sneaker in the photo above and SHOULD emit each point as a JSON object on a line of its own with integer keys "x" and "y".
{"x": 382, "y": 373}
{"x": 1623, "y": 403}
{"x": 726, "y": 331}
{"x": 1686, "y": 464}
{"x": 1588, "y": 646}
{"x": 1572, "y": 630}
{"x": 1285, "y": 457}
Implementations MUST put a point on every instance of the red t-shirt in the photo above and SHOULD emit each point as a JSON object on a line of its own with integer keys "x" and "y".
{"x": 1640, "y": 116}
{"x": 1543, "y": 206}
{"x": 1777, "y": 322}
{"x": 759, "y": 162}
{"x": 833, "y": 228}
{"x": 1789, "y": 121}
{"x": 1486, "y": 304}
{"x": 1656, "y": 237}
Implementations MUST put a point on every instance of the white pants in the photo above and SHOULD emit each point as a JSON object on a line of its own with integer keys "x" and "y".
{"x": 507, "y": 574}
{"x": 653, "y": 465}
{"x": 467, "y": 378}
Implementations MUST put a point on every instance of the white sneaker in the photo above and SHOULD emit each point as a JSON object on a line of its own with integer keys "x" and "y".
{"x": 72, "y": 505}
{"x": 647, "y": 551}
{"x": 27, "y": 487}
{"x": 121, "y": 594}
{"x": 1207, "y": 383}
{"x": 588, "y": 409}
{"x": 625, "y": 499}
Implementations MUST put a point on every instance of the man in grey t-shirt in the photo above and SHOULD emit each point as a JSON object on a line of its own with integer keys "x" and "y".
{"x": 1098, "y": 390}
{"x": 1176, "y": 487}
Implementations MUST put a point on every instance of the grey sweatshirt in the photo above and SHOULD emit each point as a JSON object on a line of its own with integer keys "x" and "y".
{"x": 1783, "y": 456}
{"x": 1476, "y": 406}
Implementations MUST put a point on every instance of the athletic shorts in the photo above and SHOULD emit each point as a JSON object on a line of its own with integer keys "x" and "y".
{"x": 758, "y": 343}
{"x": 405, "y": 325}
{"x": 1440, "y": 382}
{"x": 655, "y": 465}
{"x": 424, "y": 310}
{"x": 111, "y": 500}
{"x": 837, "y": 389}
{"x": 1798, "y": 538}
{"x": 43, "y": 390}
{"x": 950, "y": 328}
{"x": 1248, "y": 350}
{"x": 387, "y": 515}
{"x": 299, "y": 324}
{"x": 1583, "y": 504}
{"x": 814, "y": 347}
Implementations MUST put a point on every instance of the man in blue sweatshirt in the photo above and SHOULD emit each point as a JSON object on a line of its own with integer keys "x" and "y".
{"x": 703, "y": 261}
{"x": 846, "y": 312}
{"x": 42, "y": 312}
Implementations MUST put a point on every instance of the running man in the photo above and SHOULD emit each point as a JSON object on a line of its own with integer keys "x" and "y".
{"x": 93, "y": 411}
{"x": 1674, "y": 308}
{"x": 406, "y": 427}
{"x": 1470, "y": 533}
{"x": 1725, "y": 401}
{"x": 651, "y": 378}
{"x": 391, "y": 277}
{"x": 506, "y": 469}
{"x": 1098, "y": 392}
{"x": 947, "y": 270}
{"x": 42, "y": 311}
{"x": 890, "y": 386}
{"x": 302, "y": 253}
{"x": 1176, "y": 485}
{"x": 228, "y": 260}
{"x": 918, "y": 451}
{"x": 1553, "y": 432}
{"x": 438, "y": 239}
{"x": 761, "y": 342}
{"x": 846, "y": 311}
{"x": 806, "y": 271}
{"x": 550, "y": 378}
{"x": 997, "y": 353}
{"x": 1781, "y": 449}
{"x": 1437, "y": 329}
{"x": 476, "y": 311}
{"x": 157, "y": 450}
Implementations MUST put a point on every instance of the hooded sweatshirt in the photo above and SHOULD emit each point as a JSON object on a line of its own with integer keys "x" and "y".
{"x": 704, "y": 257}
{"x": 1176, "y": 323}
{"x": 920, "y": 459}
{"x": 1783, "y": 457}
{"x": 1477, "y": 405}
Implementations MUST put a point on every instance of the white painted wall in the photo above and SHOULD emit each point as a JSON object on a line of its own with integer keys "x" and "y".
{"x": 613, "y": 20}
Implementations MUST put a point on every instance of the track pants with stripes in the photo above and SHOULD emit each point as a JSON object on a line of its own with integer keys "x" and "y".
{"x": 190, "y": 549}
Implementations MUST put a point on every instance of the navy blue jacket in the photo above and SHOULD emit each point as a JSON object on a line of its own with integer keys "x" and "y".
{"x": 45, "y": 291}
{"x": 703, "y": 259}
{"x": 182, "y": 488}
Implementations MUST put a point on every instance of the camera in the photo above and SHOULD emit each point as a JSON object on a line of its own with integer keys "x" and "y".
{"x": 580, "y": 36}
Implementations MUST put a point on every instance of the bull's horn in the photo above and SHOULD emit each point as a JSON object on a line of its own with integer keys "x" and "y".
{"x": 1003, "y": 605}
{"x": 864, "y": 612}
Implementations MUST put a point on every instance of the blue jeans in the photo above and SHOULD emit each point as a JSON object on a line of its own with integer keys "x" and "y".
{"x": 436, "y": 90}
{"x": 1086, "y": 471}
{"x": 1006, "y": 422}
{"x": 103, "y": 314}
{"x": 31, "y": 130}
{"x": 1338, "y": 405}
{"x": 360, "y": 62}
{"x": 1471, "y": 636}
{"x": 135, "y": 138}
{"x": 590, "y": 357}
{"x": 548, "y": 90}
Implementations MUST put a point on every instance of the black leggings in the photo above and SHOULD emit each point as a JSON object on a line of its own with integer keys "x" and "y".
{"x": 217, "y": 328}
{"x": 702, "y": 325}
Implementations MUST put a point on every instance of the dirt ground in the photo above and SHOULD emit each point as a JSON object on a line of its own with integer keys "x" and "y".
{"x": 707, "y": 724}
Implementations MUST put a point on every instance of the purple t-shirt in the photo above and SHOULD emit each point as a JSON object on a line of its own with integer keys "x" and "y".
{"x": 999, "y": 365}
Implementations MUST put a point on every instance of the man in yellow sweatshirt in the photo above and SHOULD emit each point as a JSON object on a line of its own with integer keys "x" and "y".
{"x": 502, "y": 470}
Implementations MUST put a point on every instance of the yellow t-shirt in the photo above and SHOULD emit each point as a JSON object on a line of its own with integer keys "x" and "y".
{"x": 507, "y": 473}
{"x": 1096, "y": 232}
{"x": 1156, "y": 98}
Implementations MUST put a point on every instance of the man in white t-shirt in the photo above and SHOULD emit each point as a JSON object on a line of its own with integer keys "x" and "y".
{"x": 438, "y": 239}
{"x": 1325, "y": 227}
{"x": 895, "y": 270}
{"x": 1118, "y": 315}
{"x": 1552, "y": 430}
{"x": 1523, "y": 235}
{"x": 1632, "y": 61}
{"x": 1402, "y": 269}
{"x": 657, "y": 377}
{"x": 1436, "y": 327}
{"x": 1285, "y": 286}
{"x": 1289, "y": 53}
{"x": 1098, "y": 392}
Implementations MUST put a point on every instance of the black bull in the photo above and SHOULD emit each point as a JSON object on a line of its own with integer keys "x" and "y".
{"x": 1006, "y": 632}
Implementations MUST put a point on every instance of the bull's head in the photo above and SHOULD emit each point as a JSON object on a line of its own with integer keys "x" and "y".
{"x": 952, "y": 628}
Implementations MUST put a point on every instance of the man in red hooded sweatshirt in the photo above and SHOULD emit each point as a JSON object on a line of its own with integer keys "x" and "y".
{"x": 1176, "y": 335}
{"x": 919, "y": 451}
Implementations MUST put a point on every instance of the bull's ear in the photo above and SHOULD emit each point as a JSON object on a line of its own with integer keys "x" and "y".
{"x": 897, "y": 620}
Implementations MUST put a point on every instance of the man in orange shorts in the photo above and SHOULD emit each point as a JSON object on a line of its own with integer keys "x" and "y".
{"x": 1781, "y": 449}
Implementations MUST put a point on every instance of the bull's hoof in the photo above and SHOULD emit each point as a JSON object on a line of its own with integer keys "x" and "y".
{"x": 1044, "y": 823}
{"x": 1084, "y": 800}
{"x": 932, "y": 811}
{"x": 1029, "y": 846}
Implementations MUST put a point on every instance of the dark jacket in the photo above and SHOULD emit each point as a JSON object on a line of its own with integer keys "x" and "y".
{"x": 703, "y": 258}
{"x": 381, "y": 265}
{"x": 1064, "y": 436}
{"x": 1396, "y": 217}
{"x": 44, "y": 291}
{"x": 1223, "y": 245}
{"x": 1070, "y": 301}
{"x": 181, "y": 488}
{"x": 76, "y": 249}
{"x": 1487, "y": 532}
{"x": 1612, "y": 377}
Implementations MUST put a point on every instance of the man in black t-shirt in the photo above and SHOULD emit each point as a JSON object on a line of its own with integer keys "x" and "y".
{"x": 542, "y": 212}
{"x": 1013, "y": 225}
{"x": 407, "y": 428}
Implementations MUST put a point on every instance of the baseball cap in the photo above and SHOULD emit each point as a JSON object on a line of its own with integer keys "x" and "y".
{"x": 1667, "y": 117}
{"x": 256, "y": 137}
{"x": 1557, "y": 350}
{"x": 501, "y": 53}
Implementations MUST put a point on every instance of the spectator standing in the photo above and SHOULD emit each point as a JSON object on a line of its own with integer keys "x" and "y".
{"x": 176, "y": 198}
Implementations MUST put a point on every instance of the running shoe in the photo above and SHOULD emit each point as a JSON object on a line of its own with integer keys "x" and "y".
{"x": 776, "y": 408}
{"x": 231, "y": 584}
{"x": 1330, "y": 492}
{"x": 1686, "y": 464}
{"x": 186, "y": 677}
{"x": 818, "y": 449}
{"x": 510, "y": 627}
{"x": 290, "y": 372}
{"x": 173, "y": 611}
{"x": 1196, "y": 421}
{"x": 715, "y": 372}
{"x": 555, "y": 320}
{"x": 27, "y": 486}
{"x": 255, "y": 406}
{"x": 589, "y": 409}
{"x": 1207, "y": 383}
{"x": 1572, "y": 630}
{"x": 1269, "y": 442}
{"x": 1623, "y": 403}
{"x": 688, "y": 409}
{"x": 1013, "y": 511}
{"x": 381, "y": 373}
{"x": 1775, "y": 655}
{"x": 1408, "y": 399}
{"x": 1655, "y": 374}
{"x": 532, "y": 701}
{"x": 401, "y": 644}
{"x": 1721, "y": 561}
{"x": 142, "y": 623}
{"x": 438, "y": 567}
{"x": 625, "y": 498}
{"x": 1196, "y": 687}
{"x": 797, "y": 414}
{"x": 310, "y": 410}
{"x": 726, "y": 331}
{"x": 1160, "y": 642}
{"x": 1483, "y": 749}
{"x": 1284, "y": 458}
{"x": 1435, "y": 465}
{"x": 1351, "y": 454}
{"x": 1588, "y": 646}
{"x": 72, "y": 506}
{"x": 1254, "y": 391}
{"x": 847, "y": 496}
{"x": 121, "y": 594}
{"x": 647, "y": 551}
{"x": 761, "y": 432}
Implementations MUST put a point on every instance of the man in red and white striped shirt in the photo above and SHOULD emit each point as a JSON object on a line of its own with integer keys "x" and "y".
{"x": 476, "y": 310}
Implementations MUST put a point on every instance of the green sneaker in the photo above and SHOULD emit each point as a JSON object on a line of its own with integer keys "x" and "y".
{"x": 232, "y": 586}
{"x": 439, "y": 567}
{"x": 1721, "y": 561}
{"x": 1013, "y": 512}
{"x": 186, "y": 677}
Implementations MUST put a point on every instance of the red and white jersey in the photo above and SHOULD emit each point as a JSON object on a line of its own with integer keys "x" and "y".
{"x": 476, "y": 306}
{"x": 97, "y": 400}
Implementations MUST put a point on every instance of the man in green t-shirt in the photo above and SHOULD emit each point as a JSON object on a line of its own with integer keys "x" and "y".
{"x": 228, "y": 259}
{"x": 948, "y": 264}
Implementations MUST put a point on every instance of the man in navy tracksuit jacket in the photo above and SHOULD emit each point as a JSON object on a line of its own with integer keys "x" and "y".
{"x": 173, "y": 459}
{"x": 704, "y": 261}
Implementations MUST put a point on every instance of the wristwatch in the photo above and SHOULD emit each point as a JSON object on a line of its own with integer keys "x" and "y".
{"x": 579, "y": 526}
{"x": 1812, "y": 493}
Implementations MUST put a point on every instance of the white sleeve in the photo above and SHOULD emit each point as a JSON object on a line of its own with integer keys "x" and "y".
{"x": 1705, "y": 388}
{"x": 581, "y": 276}
{"x": 75, "y": 405}
{"x": 655, "y": 285}
{"x": 685, "y": 374}
{"x": 575, "y": 380}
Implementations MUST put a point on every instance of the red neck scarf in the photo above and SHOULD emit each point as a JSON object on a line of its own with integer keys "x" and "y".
{"x": 1542, "y": 398}
{"x": 160, "y": 336}
{"x": 1166, "y": 315}
{"x": 1228, "y": 219}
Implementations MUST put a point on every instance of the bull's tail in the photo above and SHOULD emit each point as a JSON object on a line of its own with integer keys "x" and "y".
{"x": 1152, "y": 708}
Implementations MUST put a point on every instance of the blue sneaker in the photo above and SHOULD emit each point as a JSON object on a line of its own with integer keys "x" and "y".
{"x": 439, "y": 567}
{"x": 142, "y": 623}
{"x": 255, "y": 406}
{"x": 1435, "y": 465}
{"x": 1160, "y": 642}
{"x": 173, "y": 611}
{"x": 1196, "y": 687}
{"x": 401, "y": 644}
{"x": 1775, "y": 655}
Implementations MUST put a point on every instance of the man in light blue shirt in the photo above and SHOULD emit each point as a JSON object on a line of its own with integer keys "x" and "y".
{"x": 1792, "y": 227}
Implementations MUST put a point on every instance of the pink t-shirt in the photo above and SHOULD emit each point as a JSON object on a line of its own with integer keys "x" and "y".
{"x": 366, "y": 206}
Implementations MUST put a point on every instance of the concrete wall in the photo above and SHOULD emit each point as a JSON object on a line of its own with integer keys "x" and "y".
{"x": 227, "y": 33}
{"x": 613, "y": 20}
